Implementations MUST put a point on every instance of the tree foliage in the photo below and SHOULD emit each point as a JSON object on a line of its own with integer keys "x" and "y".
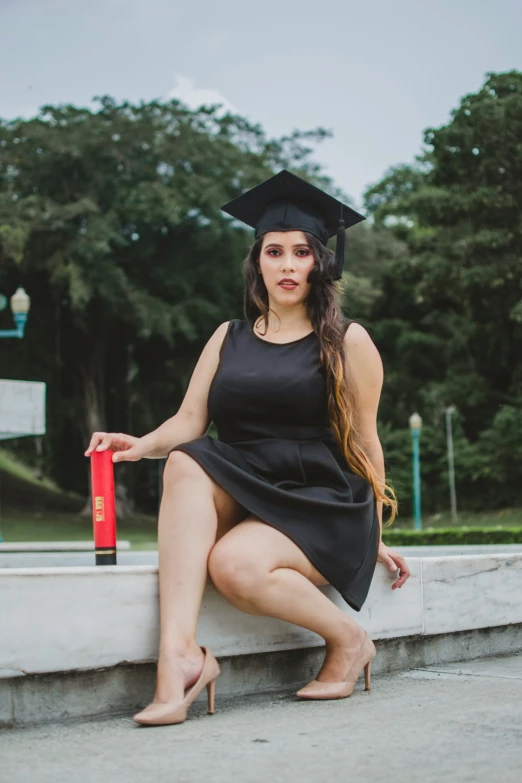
{"x": 111, "y": 221}
{"x": 449, "y": 318}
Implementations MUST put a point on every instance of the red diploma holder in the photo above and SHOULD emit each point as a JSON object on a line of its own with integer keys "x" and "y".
{"x": 103, "y": 507}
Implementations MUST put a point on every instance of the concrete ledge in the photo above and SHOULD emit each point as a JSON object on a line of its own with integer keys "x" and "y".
{"x": 62, "y": 619}
{"x": 125, "y": 689}
{"x": 54, "y": 546}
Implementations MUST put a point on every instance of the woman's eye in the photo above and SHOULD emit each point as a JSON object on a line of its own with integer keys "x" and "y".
{"x": 301, "y": 253}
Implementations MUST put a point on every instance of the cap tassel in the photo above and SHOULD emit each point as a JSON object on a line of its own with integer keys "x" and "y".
{"x": 339, "y": 250}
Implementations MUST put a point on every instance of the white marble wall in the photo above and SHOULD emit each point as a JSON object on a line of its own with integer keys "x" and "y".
{"x": 471, "y": 591}
{"x": 59, "y": 619}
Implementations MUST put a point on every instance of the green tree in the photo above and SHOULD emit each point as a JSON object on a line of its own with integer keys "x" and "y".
{"x": 111, "y": 220}
{"x": 449, "y": 319}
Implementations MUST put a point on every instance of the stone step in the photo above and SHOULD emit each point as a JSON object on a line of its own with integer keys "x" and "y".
{"x": 123, "y": 690}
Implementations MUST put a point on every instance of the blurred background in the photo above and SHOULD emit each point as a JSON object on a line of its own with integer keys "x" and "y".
{"x": 125, "y": 125}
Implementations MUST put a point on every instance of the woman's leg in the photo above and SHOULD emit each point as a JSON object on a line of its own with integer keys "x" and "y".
{"x": 261, "y": 571}
{"x": 194, "y": 511}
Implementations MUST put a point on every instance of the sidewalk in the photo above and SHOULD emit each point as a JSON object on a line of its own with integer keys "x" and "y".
{"x": 454, "y": 722}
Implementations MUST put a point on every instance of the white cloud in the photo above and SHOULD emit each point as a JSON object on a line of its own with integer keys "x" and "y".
{"x": 186, "y": 91}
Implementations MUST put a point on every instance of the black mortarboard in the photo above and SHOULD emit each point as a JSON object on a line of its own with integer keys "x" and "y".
{"x": 286, "y": 202}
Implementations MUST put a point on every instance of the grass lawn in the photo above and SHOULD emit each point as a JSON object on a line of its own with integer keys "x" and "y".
{"x": 141, "y": 531}
{"x": 507, "y": 517}
{"x": 52, "y": 515}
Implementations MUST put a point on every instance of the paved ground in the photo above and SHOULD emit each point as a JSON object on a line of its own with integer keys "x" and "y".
{"x": 455, "y": 722}
{"x": 54, "y": 559}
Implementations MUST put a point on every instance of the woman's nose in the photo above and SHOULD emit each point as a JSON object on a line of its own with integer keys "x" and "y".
{"x": 288, "y": 263}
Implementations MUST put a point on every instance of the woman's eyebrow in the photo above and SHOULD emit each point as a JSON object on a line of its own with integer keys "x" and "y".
{"x": 299, "y": 244}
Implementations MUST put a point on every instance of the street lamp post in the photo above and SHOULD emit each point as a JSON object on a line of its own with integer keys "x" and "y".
{"x": 451, "y": 463}
{"x": 415, "y": 428}
{"x": 20, "y": 304}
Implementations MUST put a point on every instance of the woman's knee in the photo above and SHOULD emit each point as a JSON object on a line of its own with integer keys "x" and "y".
{"x": 234, "y": 572}
{"x": 180, "y": 465}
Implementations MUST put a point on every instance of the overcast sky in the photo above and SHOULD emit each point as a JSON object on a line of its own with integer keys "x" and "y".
{"x": 375, "y": 73}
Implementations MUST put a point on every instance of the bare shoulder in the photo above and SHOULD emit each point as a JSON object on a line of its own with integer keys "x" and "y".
{"x": 212, "y": 349}
{"x": 220, "y": 331}
{"x": 216, "y": 339}
{"x": 362, "y": 355}
{"x": 357, "y": 338}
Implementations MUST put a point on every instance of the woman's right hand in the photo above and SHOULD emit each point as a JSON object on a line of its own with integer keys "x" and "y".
{"x": 126, "y": 448}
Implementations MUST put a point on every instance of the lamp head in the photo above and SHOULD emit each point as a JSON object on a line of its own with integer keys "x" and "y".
{"x": 20, "y": 302}
{"x": 415, "y": 422}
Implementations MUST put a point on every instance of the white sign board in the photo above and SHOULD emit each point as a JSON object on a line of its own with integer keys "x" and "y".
{"x": 22, "y": 408}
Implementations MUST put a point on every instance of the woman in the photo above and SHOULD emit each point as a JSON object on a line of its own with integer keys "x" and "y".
{"x": 289, "y": 497}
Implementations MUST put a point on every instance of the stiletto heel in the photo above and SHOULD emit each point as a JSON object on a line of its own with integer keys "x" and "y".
{"x": 367, "y": 676}
{"x": 340, "y": 690}
{"x": 211, "y": 692}
{"x": 161, "y": 714}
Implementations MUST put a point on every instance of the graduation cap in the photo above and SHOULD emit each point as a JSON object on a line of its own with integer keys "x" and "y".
{"x": 286, "y": 202}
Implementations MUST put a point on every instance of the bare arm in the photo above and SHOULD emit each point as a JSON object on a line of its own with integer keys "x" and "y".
{"x": 190, "y": 422}
{"x": 365, "y": 373}
{"x": 192, "y": 419}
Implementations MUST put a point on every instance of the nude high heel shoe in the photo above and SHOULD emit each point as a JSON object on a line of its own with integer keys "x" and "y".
{"x": 162, "y": 714}
{"x": 340, "y": 690}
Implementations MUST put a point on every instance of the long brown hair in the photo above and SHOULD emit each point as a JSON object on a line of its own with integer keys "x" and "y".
{"x": 324, "y": 310}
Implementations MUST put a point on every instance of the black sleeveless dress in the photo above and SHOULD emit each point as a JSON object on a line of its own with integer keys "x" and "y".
{"x": 276, "y": 454}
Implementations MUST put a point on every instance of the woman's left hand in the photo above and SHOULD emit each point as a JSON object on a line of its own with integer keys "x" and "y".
{"x": 394, "y": 561}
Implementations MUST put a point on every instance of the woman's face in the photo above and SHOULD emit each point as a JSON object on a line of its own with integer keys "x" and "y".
{"x": 286, "y": 254}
